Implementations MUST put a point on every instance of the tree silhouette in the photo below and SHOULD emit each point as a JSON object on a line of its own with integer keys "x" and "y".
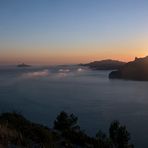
{"x": 119, "y": 135}
{"x": 65, "y": 122}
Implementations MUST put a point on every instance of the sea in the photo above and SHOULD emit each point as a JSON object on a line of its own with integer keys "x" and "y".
{"x": 40, "y": 93}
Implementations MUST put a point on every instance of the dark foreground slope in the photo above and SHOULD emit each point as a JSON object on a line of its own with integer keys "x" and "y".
{"x": 105, "y": 65}
{"x": 18, "y": 132}
{"x": 135, "y": 70}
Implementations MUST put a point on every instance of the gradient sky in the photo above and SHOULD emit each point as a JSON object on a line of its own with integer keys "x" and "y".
{"x": 72, "y": 31}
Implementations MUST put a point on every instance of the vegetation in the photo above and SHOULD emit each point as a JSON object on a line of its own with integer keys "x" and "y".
{"x": 119, "y": 135}
{"x": 17, "y": 131}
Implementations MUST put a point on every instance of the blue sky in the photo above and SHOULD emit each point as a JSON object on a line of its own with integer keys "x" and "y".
{"x": 65, "y": 28}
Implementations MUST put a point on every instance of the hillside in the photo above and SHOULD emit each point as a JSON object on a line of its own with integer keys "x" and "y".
{"x": 105, "y": 64}
{"x": 134, "y": 70}
{"x": 18, "y": 132}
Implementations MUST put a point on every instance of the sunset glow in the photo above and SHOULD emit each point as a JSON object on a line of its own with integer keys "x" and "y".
{"x": 67, "y": 32}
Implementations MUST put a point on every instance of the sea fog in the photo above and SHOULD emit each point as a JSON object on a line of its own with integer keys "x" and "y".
{"x": 40, "y": 93}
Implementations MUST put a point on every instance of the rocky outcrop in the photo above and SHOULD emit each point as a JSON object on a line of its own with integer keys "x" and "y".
{"x": 23, "y": 65}
{"x": 134, "y": 70}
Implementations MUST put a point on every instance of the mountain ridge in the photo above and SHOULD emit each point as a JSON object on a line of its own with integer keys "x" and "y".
{"x": 107, "y": 64}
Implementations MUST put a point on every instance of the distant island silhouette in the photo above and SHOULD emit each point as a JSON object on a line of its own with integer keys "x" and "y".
{"x": 23, "y": 65}
{"x": 134, "y": 70}
{"x": 107, "y": 64}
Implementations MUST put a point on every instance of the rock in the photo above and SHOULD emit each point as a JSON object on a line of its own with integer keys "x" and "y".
{"x": 23, "y": 65}
{"x": 134, "y": 70}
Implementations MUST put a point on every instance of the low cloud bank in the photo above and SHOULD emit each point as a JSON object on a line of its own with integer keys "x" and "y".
{"x": 43, "y": 73}
{"x": 59, "y": 73}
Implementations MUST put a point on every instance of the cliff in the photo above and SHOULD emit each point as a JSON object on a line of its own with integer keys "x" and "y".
{"x": 134, "y": 70}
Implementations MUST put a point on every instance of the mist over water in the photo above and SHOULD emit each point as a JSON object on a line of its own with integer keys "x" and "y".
{"x": 40, "y": 93}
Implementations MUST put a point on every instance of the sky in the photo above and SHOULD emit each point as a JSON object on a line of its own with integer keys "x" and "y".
{"x": 72, "y": 31}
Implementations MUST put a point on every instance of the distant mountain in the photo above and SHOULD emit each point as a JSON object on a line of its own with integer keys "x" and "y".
{"x": 134, "y": 70}
{"x": 23, "y": 65}
{"x": 105, "y": 64}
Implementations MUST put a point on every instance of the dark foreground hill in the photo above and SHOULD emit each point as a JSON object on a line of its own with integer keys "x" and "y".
{"x": 105, "y": 64}
{"x": 134, "y": 70}
{"x": 18, "y": 132}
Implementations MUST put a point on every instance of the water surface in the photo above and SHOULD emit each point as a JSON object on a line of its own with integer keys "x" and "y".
{"x": 40, "y": 93}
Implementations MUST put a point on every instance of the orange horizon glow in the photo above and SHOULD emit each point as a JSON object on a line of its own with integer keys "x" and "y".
{"x": 69, "y": 58}
{"x": 52, "y": 33}
{"x": 82, "y": 53}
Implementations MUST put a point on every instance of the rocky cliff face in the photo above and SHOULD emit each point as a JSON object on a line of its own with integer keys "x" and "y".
{"x": 135, "y": 70}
